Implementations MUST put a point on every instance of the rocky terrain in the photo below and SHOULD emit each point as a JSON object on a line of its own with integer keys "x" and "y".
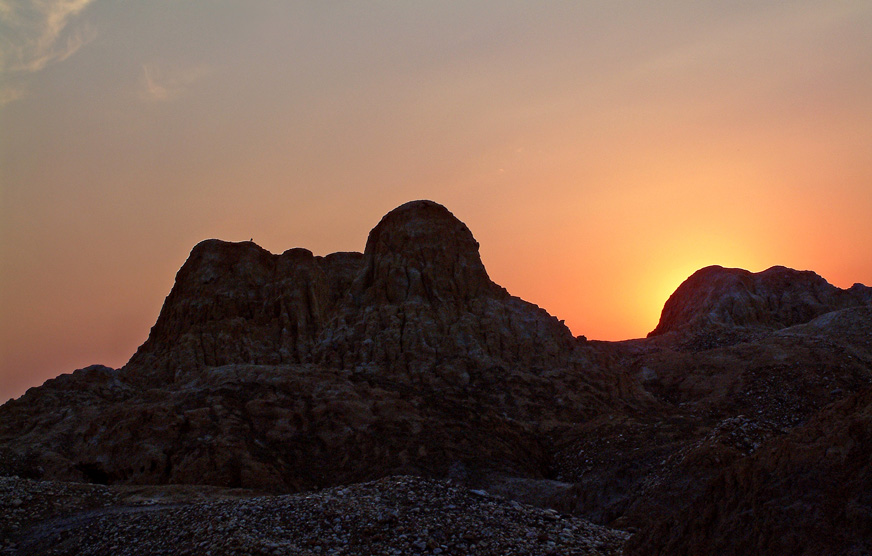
{"x": 396, "y": 515}
{"x": 808, "y": 492}
{"x": 292, "y": 392}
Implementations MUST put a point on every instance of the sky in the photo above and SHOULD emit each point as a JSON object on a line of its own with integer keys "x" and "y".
{"x": 599, "y": 151}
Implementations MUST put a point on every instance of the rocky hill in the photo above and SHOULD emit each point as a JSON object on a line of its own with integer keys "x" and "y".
{"x": 295, "y": 373}
{"x": 417, "y": 297}
{"x": 732, "y": 303}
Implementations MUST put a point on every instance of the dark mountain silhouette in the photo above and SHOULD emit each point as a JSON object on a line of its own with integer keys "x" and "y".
{"x": 294, "y": 372}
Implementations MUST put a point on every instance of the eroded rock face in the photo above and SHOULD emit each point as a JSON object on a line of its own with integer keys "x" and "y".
{"x": 423, "y": 299}
{"x": 420, "y": 252}
{"x": 293, "y": 372}
{"x": 809, "y": 492}
{"x": 238, "y": 303}
{"x": 713, "y": 408}
{"x": 417, "y": 297}
{"x": 734, "y": 301}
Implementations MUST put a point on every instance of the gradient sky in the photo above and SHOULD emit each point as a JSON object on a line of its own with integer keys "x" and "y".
{"x": 599, "y": 151}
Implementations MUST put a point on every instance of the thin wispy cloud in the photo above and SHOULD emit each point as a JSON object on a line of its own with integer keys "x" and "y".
{"x": 36, "y": 33}
{"x": 162, "y": 84}
{"x": 10, "y": 94}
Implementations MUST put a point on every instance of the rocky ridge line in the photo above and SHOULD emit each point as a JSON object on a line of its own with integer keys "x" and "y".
{"x": 293, "y": 372}
{"x": 418, "y": 296}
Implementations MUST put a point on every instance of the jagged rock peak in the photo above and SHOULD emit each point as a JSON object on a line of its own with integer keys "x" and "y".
{"x": 717, "y": 297}
{"x": 421, "y": 250}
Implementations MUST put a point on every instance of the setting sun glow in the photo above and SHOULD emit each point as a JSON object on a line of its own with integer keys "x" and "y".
{"x": 600, "y": 152}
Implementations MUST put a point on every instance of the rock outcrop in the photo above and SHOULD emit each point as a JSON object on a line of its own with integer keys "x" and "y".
{"x": 293, "y": 371}
{"x": 809, "y": 492}
{"x": 238, "y": 303}
{"x": 732, "y": 426}
{"x": 417, "y": 297}
{"x": 734, "y": 303}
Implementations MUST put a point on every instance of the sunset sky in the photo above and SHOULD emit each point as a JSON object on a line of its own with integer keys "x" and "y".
{"x": 600, "y": 151}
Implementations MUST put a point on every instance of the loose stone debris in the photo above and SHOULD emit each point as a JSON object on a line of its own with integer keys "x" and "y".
{"x": 392, "y": 516}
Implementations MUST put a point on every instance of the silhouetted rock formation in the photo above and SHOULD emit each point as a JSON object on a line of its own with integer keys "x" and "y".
{"x": 238, "y": 303}
{"x": 293, "y": 371}
{"x": 417, "y": 297}
{"x": 727, "y": 427}
{"x": 735, "y": 302}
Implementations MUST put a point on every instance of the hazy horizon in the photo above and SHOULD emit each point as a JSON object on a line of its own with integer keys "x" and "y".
{"x": 600, "y": 153}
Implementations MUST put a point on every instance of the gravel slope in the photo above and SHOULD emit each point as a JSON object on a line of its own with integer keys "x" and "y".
{"x": 395, "y": 515}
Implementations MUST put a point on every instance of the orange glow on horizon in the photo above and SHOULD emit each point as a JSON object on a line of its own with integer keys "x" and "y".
{"x": 599, "y": 152}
